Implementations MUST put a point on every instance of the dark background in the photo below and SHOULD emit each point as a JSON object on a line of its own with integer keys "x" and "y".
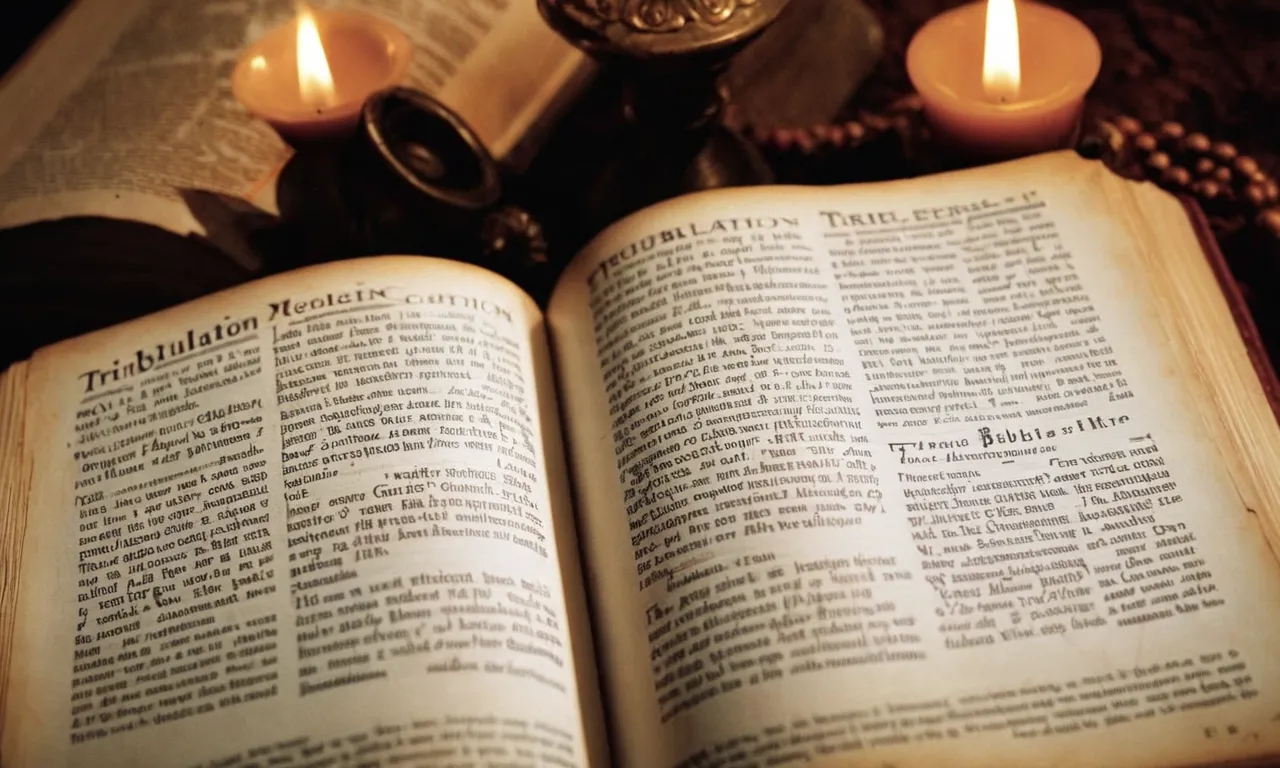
{"x": 1212, "y": 64}
{"x": 21, "y": 21}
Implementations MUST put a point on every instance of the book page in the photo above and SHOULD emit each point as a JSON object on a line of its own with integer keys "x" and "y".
{"x": 126, "y": 105}
{"x": 321, "y": 516}
{"x": 908, "y": 474}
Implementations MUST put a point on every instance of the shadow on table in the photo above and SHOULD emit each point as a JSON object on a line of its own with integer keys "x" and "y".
{"x": 70, "y": 276}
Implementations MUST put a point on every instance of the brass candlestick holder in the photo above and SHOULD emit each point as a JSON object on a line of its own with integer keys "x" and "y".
{"x": 670, "y": 55}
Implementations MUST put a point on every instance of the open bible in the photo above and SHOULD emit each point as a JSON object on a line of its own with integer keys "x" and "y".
{"x": 972, "y": 469}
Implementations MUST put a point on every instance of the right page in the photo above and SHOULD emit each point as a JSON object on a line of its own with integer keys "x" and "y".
{"x": 918, "y": 473}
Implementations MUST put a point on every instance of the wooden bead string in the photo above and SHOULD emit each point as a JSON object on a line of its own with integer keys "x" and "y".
{"x": 1225, "y": 182}
{"x": 1230, "y": 186}
{"x": 902, "y": 116}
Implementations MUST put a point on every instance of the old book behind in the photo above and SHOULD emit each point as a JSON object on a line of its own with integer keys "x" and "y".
{"x": 124, "y": 108}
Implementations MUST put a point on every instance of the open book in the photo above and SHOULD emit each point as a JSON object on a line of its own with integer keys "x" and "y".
{"x": 86, "y": 135}
{"x": 964, "y": 470}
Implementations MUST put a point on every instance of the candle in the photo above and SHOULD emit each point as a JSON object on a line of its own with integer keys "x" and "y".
{"x": 1002, "y": 82}
{"x": 310, "y": 78}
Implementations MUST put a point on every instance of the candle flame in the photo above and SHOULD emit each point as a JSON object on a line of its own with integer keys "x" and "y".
{"x": 1001, "y": 56}
{"x": 315, "y": 81}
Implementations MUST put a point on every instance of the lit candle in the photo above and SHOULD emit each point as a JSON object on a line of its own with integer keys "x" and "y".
{"x": 310, "y": 78}
{"x": 1000, "y": 81}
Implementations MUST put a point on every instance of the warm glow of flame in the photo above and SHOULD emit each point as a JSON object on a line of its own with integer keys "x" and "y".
{"x": 1001, "y": 57}
{"x": 315, "y": 82}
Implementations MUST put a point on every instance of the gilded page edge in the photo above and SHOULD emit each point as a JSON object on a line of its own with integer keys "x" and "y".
{"x": 15, "y": 480}
{"x": 1195, "y": 312}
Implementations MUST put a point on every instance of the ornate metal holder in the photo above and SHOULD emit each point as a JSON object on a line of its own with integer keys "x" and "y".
{"x": 418, "y": 175}
{"x": 670, "y": 55}
{"x": 414, "y": 180}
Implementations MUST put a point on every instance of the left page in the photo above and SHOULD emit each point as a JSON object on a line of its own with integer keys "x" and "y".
{"x": 125, "y": 109}
{"x": 321, "y": 516}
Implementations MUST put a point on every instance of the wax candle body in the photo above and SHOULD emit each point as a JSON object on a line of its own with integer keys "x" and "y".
{"x": 364, "y": 54}
{"x": 1060, "y": 61}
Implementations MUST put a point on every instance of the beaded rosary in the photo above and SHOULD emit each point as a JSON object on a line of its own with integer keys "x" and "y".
{"x": 1229, "y": 186}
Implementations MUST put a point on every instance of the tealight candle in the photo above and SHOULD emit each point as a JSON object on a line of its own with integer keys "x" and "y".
{"x": 997, "y": 81}
{"x": 309, "y": 78}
